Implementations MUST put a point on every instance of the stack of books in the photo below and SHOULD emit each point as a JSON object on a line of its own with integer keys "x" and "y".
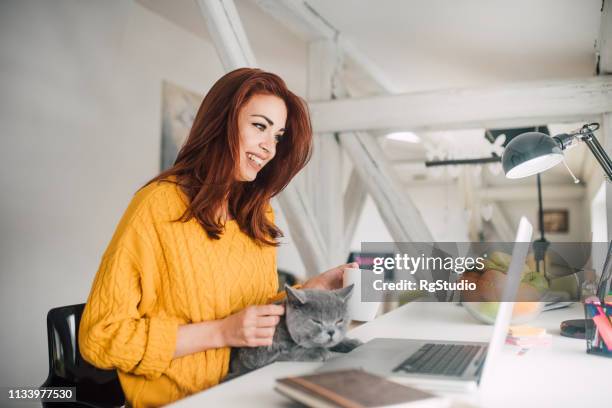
{"x": 526, "y": 336}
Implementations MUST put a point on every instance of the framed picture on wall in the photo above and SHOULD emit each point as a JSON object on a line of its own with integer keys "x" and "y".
{"x": 179, "y": 107}
{"x": 556, "y": 221}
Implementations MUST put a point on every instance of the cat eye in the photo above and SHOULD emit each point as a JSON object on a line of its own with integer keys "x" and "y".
{"x": 340, "y": 321}
{"x": 315, "y": 321}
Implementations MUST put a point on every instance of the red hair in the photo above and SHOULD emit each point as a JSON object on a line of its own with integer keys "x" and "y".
{"x": 207, "y": 164}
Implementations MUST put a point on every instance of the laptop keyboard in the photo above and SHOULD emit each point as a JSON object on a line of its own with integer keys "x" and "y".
{"x": 441, "y": 359}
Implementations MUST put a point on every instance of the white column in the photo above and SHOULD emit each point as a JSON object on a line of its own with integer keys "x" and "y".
{"x": 607, "y": 143}
{"x": 604, "y": 43}
{"x": 324, "y": 172}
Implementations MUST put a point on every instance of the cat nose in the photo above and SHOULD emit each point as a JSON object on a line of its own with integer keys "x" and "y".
{"x": 331, "y": 332}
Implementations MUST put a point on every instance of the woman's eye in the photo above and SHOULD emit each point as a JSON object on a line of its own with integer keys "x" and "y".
{"x": 259, "y": 126}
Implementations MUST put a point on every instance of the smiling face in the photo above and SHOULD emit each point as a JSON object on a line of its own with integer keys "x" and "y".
{"x": 261, "y": 125}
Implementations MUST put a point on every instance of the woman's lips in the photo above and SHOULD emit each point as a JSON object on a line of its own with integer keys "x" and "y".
{"x": 252, "y": 163}
{"x": 254, "y": 158}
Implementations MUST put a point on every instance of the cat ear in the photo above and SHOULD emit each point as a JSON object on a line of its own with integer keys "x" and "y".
{"x": 346, "y": 292}
{"x": 295, "y": 296}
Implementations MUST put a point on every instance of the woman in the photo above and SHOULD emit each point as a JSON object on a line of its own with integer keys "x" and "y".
{"x": 191, "y": 268}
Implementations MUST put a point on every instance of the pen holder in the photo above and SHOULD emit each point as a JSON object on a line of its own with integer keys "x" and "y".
{"x": 599, "y": 335}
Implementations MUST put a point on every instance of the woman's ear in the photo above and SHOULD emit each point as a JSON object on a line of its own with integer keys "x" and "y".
{"x": 346, "y": 292}
{"x": 295, "y": 296}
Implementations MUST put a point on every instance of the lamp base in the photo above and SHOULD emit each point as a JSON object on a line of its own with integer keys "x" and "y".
{"x": 576, "y": 328}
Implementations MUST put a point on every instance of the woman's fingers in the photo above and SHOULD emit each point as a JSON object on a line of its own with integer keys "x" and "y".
{"x": 267, "y": 321}
{"x": 270, "y": 310}
{"x": 334, "y": 276}
{"x": 261, "y": 342}
{"x": 251, "y": 327}
{"x": 264, "y": 333}
{"x": 331, "y": 279}
{"x": 351, "y": 265}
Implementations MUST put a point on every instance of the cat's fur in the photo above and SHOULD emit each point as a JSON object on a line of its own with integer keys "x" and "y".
{"x": 314, "y": 325}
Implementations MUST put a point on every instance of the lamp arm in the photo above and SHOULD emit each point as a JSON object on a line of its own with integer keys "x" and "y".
{"x": 586, "y": 135}
{"x": 599, "y": 153}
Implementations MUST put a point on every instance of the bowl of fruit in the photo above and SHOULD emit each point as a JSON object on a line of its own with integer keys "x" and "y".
{"x": 483, "y": 302}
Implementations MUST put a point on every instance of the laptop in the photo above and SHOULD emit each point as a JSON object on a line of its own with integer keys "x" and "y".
{"x": 443, "y": 366}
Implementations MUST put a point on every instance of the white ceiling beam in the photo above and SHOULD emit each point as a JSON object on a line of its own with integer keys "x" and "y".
{"x": 520, "y": 193}
{"x": 235, "y": 52}
{"x": 524, "y": 103}
{"x": 227, "y": 33}
{"x": 298, "y": 16}
{"x": 399, "y": 213}
{"x": 354, "y": 201}
{"x": 402, "y": 218}
{"x": 303, "y": 229}
{"x": 370, "y": 70}
{"x": 604, "y": 42}
{"x": 303, "y": 20}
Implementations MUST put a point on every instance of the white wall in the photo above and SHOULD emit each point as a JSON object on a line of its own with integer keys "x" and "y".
{"x": 579, "y": 222}
{"x": 439, "y": 206}
{"x": 444, "y": 213}
{"x": 599, "y": 226}
{"x": 80, "y": 84}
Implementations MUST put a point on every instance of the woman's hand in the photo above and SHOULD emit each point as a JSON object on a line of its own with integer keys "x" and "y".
{"x": 251, "y": 327}
{"x": 329, "y": 280}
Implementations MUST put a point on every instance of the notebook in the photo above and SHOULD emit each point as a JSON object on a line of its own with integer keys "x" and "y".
{"x": 354, "y": 389}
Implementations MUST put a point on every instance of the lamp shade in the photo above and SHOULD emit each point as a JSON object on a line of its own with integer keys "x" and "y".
{"x": 530, "y": 153}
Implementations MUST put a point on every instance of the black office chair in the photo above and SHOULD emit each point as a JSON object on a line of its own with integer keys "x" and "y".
{"x": 95, "y": 388}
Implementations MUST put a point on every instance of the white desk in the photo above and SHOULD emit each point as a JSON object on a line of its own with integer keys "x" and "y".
{"x": 561, "y": 375}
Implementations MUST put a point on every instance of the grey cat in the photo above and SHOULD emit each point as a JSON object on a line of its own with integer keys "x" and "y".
{"x": 314, "y": 325}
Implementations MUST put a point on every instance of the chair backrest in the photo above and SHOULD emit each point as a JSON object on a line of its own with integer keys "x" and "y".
{"x": 285, "y": 277}
{"x": 67, "y": 367}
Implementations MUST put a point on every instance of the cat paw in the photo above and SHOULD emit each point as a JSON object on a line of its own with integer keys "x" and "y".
{"x": 346, "y": 346}
{"x": 316, "y": 354}
{"x": 323, "y": 355}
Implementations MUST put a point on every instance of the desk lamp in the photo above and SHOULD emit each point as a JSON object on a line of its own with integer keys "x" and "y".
{"x": 534, "y": 152}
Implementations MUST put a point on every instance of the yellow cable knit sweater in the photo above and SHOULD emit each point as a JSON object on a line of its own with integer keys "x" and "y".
{"x": 156, "y": 275}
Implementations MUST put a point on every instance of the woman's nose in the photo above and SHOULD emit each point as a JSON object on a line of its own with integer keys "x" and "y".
{"x": 268, "y": 146}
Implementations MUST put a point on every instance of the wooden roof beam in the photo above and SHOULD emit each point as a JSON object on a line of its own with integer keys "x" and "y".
{"x": 510, "y": 105}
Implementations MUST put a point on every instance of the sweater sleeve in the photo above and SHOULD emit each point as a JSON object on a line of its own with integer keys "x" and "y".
{"x": 116, "y": 330}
